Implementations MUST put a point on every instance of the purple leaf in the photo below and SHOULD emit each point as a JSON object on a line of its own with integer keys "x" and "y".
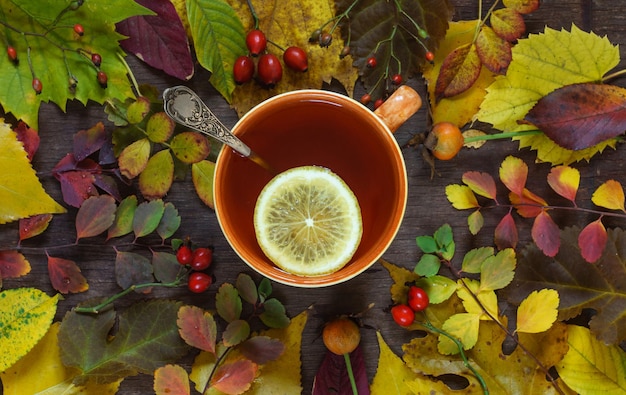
{"x": 159, "y": 40}
{"x": 332, "y": 376}
{"x": 86, "y": 142}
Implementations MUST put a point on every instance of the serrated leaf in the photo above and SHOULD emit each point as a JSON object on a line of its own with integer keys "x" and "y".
{"x": 171, "y": 379}
{"x": 474, "y": 258}
{"x": 159, "y": 40}
{"x": 475, "y": 222}
{"x": 78, "y": 179}
{"x": 546, "y": 234}
{"x": 507, "y": 23}
{"x": 34, "y": 226}
{"x": 132, "y": 269}
{"x": 462, "y": 326}
{"x": 136, "y": 111}
{"x": 522, "y": 6}
{"x": 210, "y": 22}
{"x": 148, "y": 217}
{"x": 197, "y": 327}
{"x": 469, "y": 291}
{"x": 228, "y": 303}
{"x": 480, "y": 183}
{"x": 427, "y": 244}
{"x": 165, "y": 266}
{"x": 493, "y": 51}
{"x": 262, "y": 349}
{"x": 575, "y": 57}
{"x": 274, "y": 314}
{"x": 332, "y": 376}
{"x": 591, "y": 367}
{"x": 147, "y": 339}
{"x": 538, "y": 311}
{"x": 497, "y": 271}
{"x": 428, "y": 265}
{"x": 247, "y": 288}
{"x": 21, "y": 193}
{"x": 25, "y": 316}
{"x": 609, "y": 194}
{"x": 459, "y": 71}
{"x": 461, "y": 197}
{"x": 13, "y": 264}
{"x": 157, "y": 177}
{"x": 234, "y": 377}
{"x": 505, "y": 235}
{"x": 236, "y": 332}
{"x": 170, "y": 221}
{"x": 65, "y": 276}
{"x": 95, "y": 216}
{"x": 202, "y": 177}
{"x": 51, "y": 65}
{"x": 123, "y": 223}
{"x": 134, "y": 158}
{"x": 438, "y": 288}
{"x": 401, "y": 277}
{"x": 160, "y": 127}
{"x": 592, "y": 240}
{"x": 190, "y": 147}
{"x": 29, "y": 138}
{"x": 564, "y": 180}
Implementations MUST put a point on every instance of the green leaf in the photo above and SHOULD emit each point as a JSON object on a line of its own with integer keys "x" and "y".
{"x": 190, "y": 147}
{"x": 428, "y": 265}
{"x": 170, "y": 222}
{"x": 427, "y": 244}
{"x": 95, "y": 215}
{"x": 473, "y": 260}
{"x": 157, "y": 177}
{"x": 160, "y": 127}
{"x": 247, "y": 288}
{"x": 463, "y": 326}
{"x": 146, "y": 340}
{"x": 274, "y": 314}
{"x": 228, "y": 302}
{"x": 265, "y": 289}
{"x": 438, "y": 288}
{"x": 51, "y": 65}
{"x": 123, "y": 223}
{"x": 497, "y": 271}
{"x": 236, "y": 332}
{"x": 147, "y": 217}
{"x": 132, "y": 269}
{"x": 134, "y": 158}
{"x": 202, "y": 177}
{"x": 211, "y": 21}
{"x": 165, "y": 266}
{"x": 443, "y": 236}
{"x": 25, "y": 316}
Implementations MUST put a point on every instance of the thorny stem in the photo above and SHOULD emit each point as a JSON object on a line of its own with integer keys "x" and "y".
{"x": 346, "y": 357}
{"x": 428, "y": 325}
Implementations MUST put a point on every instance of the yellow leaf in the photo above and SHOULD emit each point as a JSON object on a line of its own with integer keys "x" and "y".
{"x": 393, "y": 376}
{"x": 156, "y": 178}
{"x": 460, "y": 108}
{"x": 400, "y": 276}
{"x": 202, "y": 176}
{"x": 41, "y": 372}
{"x": 609, "y": 195}
{"x": 538, "y": 311}
{"x": 134, "y": 158}
{"x": 284, "y": 23}
{"x": 461, "y": 197}
{"x": 574, "y": 57}
{"x": 462, "y": 326}
{"x": 590, "y": 367}
{"x": 21, "y": 192}
{"x": 487, "y": 297}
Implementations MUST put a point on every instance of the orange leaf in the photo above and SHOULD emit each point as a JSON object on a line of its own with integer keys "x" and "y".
{"x": 33, "y": 226}
{"x": 171, "y": 380}
{"x": 513, "y": 174}
{"x": 528, "y": 205}
{"x": 235, "y": 377}
{"x": 592, "y": 240}
{"x": 65, "y": 276}
{"x": 522, "y": 6}
{"x": 197, "y": 327}
{"x": 565, "y": 180}
{"x": 508, "y": 24}
{"x": 494, "y": 52}
{"x": 12, "y": 265}
{"x": 546, "y": 234}
{"x": 609, "y": 195}
{"x": 459, "y": 71}
{"x": 95, "y": 216}
{"x": 506, "y": 233}
{"x": 481, "y": 183}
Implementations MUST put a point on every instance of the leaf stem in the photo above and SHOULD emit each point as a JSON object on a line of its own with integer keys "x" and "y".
{"x": 255, "y": 17}
{"x": 611, "y": 76}
{"x": 428, "y": 325}
{"x": 502, "y": 135}
{"x": 346, "y": 357}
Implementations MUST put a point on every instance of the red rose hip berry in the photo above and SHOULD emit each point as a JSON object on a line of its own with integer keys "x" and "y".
{"x": 256, "y": 42}
{"x": 417, "y": 299}
{"x": 202, "y": 258}
{"x": 199, "y": 282}
{"x": 269, "y": 69}
{"x": 296, "y": 59}
{"x": 402, "y": 315}
{"x": 243, "y": 69}
{"x": 184, "y": 255}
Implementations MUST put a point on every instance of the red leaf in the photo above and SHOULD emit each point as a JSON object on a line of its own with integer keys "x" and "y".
{"x": 528, "y": 205}
{"x": 332, "y": 376}
{"x": 95, "y": 216}
{"x": 29, "y": 137}
{"x": 159, "y": 40}
{"x": 197, "y": 327}
{"x": 522, "y": 6}
{"x": 235, "y": 377}
{"x": 76, "y": 178}
{"x": 508, "y": 24}
{"x": 592, "y": 241}
{"x": 33, "y": 226}
{"x": 494, "y": 52}
{"x": 86, "y": 142}
{"x": 171, "y": 380}
{"x": 459, "y": 71}
{"x": 262, "y": 349}
{"x": 65, "y": 276}
{"x": 481, "y": 183}
{"x": 505, "y": 234}
{"x": 579, "y": 116}
{"x": 13, "y": 265}
{"x": 564, "y": 180}
{"x": 546, "y": 234}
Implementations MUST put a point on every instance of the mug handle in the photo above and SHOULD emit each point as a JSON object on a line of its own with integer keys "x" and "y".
{"x": 399, "y": 107}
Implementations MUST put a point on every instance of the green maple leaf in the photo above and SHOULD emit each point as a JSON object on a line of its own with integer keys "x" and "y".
{"x": 541, "y": 64}
{"x": 146, "y": 340}
{"x": 57, "y": 53}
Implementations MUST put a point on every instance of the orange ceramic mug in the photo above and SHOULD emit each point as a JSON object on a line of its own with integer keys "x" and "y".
{"x": 315, "y": 127}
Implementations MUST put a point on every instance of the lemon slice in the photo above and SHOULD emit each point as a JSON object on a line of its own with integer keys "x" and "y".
{"x": 308, "y": 221}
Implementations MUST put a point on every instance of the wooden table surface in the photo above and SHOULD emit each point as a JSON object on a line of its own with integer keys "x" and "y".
{"x": 427, "y": 208}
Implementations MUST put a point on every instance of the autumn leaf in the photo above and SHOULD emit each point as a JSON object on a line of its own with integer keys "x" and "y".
{"x": 480, "y": 183}
{"x": 505, "y": 234}
{"x": 13, "y": 264}
{"x": 591, "y": 367}
{"x": 580, "y": 285}
{"x": 513, "y": 174}
{"x": 132, "y": 268}
{"x": 332, "y": 376}
{"x": 285, "y": 23}
{"x": 564, "y": 180}
{"x": 401, "y": 277}
{"x": 574, "y": 57}
{"x": 538, "y": 311}
{"x": 461, "y": 197}
{"x": 147, "y": 217}
{"x": 228, "y": 303}
{"x": 159, "y": 40}
{"x": 546, "y": 234}
{"x": 494, "y": 52}
{"x": 51, "y": 64}
{"x": 202, "y": 177}
{"x": 42, "y": 371}
{"x": 25, "y": 316}
{"x": 65, "y": 276}
{"x": 95, "y": 216}
{"x": 522, "y": 6}
{"x": 123, "y": 223}
{"x": 171, "y": 379}
{"x": 592, "y": 240}
{"x": 21, "y": 193}
{"x": 609, "y": 195}
{"x": 508, "y": 23}
{"x": 461, "y": 326}
{"x": 134, "y": 158}
{"x": 496, "y": 271}
{"x": 147, "y": 338}
{"x": 169, "y": 223}
{"x": 88, "y": 141}
{"x": 157, "y": 177}
{"x": 459, "y": 71}
{"x": 29, "y": 138}
{"x": 474, "y": 258}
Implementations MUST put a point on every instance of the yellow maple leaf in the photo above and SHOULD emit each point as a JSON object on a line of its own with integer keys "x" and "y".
{"x": 288, "y": 23}
{"x": 460, "y": 108}
{"x": 21, "y": 193}
{"x": 541, "y": 64}
{"x": 41, "y": 371}
{"x": 538, "y": 311}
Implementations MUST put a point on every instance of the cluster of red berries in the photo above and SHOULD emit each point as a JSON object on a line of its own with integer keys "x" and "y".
{"x": 198, "y": 259}
{"x": 269, "y": 70}
{"x": 417, "y": 300}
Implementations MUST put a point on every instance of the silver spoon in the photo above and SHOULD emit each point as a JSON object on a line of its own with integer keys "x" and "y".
{"x": 185, "y": 107}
